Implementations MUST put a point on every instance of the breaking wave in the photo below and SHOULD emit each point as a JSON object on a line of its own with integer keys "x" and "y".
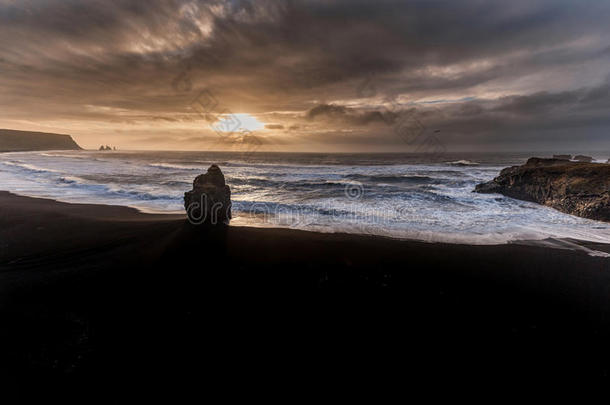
{"x": 390, "y": 195}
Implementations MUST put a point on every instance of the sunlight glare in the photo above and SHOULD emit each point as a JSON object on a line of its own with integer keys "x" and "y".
{"x": 238, "y": 122}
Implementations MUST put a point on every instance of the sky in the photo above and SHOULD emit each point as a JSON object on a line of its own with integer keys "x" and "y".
{"x": 315, "y": 76}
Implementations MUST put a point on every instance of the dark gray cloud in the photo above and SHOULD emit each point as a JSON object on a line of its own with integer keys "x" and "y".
{"x": 507, "y": 67}
{"x": 536, "y": 119}
{"x": 350, "y": 115}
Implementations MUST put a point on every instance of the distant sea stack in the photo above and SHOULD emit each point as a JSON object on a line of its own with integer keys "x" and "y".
{"x": 104, "y": 148}
{"x": 209, "y": 202}
{"x": 576, "y": 188}
{"x": 21, "y": 141}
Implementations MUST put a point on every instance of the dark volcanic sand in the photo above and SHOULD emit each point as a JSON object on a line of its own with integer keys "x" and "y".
{"x": 103, "y": 304}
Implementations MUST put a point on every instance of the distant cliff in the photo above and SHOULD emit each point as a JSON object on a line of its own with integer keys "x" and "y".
{"x": 576, "y": 188}
{"x": 16, "y": 141}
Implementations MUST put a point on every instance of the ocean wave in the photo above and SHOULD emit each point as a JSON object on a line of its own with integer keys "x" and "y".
{"x": 141, "y": 195}
{"x": 403, "y": 178}
{"x": 279, "y": 183}
{"x": 278, "y": 209}
{"x": 443, "y": 172}
{"x": 176, "y": 183}
{"x": 29, "y": 167}
{"x": 259, "y": 165}
{"x": 405, "y": 199}
{"x": 292, "y": 185}
{"x": 373, "y": 186}
{"x": 60, "y": 155}
{"x": 463, "y": 163}
{"x": 173, "y": 166}
{"x": 80, "y": 157}
{"x": 71, "y": 180}
{"x": 53, "y": 155}
{"x": 111, "y": 191}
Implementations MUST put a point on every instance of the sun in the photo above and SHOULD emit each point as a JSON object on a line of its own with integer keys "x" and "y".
{"x": 237, "y": 123}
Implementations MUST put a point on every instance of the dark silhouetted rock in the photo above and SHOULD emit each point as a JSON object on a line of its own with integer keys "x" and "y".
{"x": 562, "y": 157}
{"x": 209, "y": 201}
{"x": 583, "y": 158}
{"x": 576, "y": 188}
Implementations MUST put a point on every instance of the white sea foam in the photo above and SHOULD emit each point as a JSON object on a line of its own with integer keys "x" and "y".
{"x": 463, "y": 163}
{"x": 174, "y": 166}
{"x": 401, "y": 197}
{"x": 29, "y": 167}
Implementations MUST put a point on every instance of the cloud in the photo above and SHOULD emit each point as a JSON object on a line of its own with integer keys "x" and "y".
{"x": 350, "y": 115}
{"x": 525, "y": 62}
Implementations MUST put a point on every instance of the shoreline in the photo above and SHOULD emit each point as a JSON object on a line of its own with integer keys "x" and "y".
{"x": 32, "y": 226}
{"x": 593, "y": 248}
{"x": 41, "y": 228}
{"x": 447, "y": 213}
{"x": 88, "y": 291}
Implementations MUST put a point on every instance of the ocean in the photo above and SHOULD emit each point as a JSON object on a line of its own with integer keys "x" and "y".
{"x": 410, "y": 196}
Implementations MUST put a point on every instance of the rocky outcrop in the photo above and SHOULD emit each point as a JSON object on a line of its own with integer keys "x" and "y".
{"x": 583, "y": 158}
{"x": 562, "y": 157}
{"x": 102, "y": 147}
{"x": 18, "y": 141}
{"x": 209, "y": 202}
{"x": 576, "y": 188}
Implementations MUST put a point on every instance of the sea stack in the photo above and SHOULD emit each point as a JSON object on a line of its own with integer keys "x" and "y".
{"x": 209, "y": 202}
{"x": 576, "y": 188}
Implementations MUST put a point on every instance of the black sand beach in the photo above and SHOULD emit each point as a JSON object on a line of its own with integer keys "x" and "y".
{"x": 103, "y": 304}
